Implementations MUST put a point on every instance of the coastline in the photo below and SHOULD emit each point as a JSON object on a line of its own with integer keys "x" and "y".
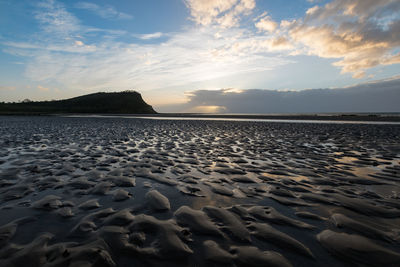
{"x": 329, "y": 117}
{"x": 368, "y": 117}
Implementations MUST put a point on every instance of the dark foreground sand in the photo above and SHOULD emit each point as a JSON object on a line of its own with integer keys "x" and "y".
{"x": 137, "y": 192}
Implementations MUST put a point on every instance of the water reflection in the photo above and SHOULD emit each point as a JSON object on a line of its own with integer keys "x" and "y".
{"x": 240, "y": 119}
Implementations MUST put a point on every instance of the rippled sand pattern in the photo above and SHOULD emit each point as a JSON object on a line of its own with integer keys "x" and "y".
{"x": 136, "y": 192}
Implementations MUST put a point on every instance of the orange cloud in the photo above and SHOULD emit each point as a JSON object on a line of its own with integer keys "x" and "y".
{"x": 266, "y": 24}
{"x": 361, "y": 33}
{"x": 43, "y": 89}
{"x": 224, "y": 13}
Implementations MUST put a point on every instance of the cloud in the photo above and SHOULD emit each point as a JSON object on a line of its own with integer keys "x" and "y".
{"x": 28, "y": 49}
{"x": 377, "y": 96}
{"x": 79, "y": 43}
{"x": 266, "y": 24}
{"x": 56, "y": 20}
{"x": 7, "y": 88}
{"x": 225, "y": 13}
{"x": 193, "y": 55}
{"x": 278, "y": 44}
{"x": 361, "y": 33}
{"x": 312, "y": 10}
{"x": 149, "y": 36}
{"x": 43, "y": 89}
{"x": 180, "y": 60}
{"x": 358, "y": 35}
{"x": 106, "y": 12}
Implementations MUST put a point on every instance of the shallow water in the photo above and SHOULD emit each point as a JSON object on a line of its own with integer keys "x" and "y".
{"x": 278, "y": 187}
{"x": 189, "y": 118}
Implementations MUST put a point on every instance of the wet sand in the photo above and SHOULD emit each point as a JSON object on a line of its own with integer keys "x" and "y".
{"x": 141, "y": 192}
{"x": 338, "y": 117}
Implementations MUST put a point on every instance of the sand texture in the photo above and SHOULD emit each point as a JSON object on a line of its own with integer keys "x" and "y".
{"x": 140, "y": 192}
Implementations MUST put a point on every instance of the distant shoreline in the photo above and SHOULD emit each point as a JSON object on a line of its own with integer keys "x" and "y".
{"x": 381, "y": 117}
{"x": 333, "y": 117}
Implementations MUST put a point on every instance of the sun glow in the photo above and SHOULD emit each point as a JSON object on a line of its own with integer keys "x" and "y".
{"x": 207, "y": 109}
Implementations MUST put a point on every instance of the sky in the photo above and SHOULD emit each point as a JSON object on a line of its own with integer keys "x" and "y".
{"x": 175, "y": 51}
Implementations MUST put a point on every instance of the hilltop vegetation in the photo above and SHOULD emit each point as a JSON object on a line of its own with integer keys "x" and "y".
{"x": 127, "y": 102}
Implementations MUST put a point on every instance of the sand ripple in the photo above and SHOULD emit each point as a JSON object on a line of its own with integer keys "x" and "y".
{"x": 134, "y": 192}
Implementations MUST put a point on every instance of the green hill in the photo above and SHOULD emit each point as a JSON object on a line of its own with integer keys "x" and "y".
{"x": 127, "y": 102}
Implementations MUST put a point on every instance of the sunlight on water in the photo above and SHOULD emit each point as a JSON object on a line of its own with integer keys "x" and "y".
{"x": 239, "y": 119}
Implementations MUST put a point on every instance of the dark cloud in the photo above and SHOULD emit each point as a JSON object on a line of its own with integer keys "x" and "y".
{"x": 378, "y": 96}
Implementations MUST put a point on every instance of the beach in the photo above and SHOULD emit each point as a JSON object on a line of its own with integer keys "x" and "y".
{"x": 115, "y": 191}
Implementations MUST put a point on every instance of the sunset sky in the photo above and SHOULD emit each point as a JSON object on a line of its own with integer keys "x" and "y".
{"x": 172, "y": 50}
